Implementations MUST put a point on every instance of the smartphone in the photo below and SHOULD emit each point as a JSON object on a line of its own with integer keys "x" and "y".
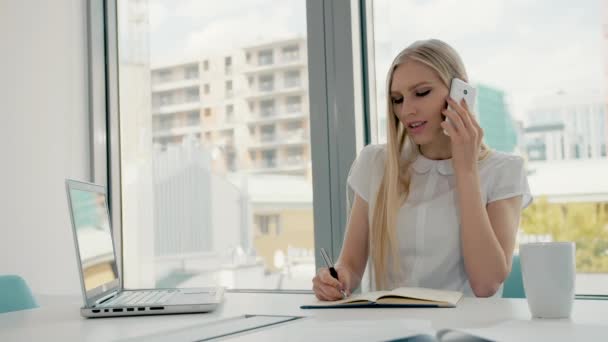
{"x": 459, "y": 90}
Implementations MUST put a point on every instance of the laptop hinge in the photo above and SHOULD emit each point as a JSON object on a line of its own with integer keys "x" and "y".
{"x": 105, "y": 298}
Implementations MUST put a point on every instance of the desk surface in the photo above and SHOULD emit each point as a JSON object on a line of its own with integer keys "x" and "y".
{"x": 58, "y": 318}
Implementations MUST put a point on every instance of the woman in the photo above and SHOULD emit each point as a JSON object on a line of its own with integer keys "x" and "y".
{"x": 431, "y": 209}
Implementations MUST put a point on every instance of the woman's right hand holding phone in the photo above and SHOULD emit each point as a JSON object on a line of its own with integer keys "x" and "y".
{"x": 328, "y": 288}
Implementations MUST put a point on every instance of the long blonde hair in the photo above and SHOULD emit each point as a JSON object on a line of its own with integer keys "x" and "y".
{"x": 394, "y": 187}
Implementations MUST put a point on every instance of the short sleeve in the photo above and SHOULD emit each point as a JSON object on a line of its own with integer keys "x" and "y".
{"x": 361, "y": 172}
{"x": 510, "y": 180}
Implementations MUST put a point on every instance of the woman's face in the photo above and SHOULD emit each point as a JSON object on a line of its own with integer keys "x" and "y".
{"x": 418, "y": 96}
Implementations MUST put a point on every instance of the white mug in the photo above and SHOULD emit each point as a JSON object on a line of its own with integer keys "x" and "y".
{"x": 549, "y": 271}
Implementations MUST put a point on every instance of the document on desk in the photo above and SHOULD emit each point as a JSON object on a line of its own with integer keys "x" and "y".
{"x": 324, "y": 329}
{"x": 406, "y": 297}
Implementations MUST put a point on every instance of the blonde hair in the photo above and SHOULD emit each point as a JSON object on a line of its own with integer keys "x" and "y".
{"x": 394, "y": 187}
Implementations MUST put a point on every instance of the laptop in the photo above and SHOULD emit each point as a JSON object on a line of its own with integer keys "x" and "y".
{"x": 100, "y": 280}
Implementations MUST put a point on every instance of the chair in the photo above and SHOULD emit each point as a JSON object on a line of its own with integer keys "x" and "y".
{"x": 15, "y": 295}
{"x": 514, "y": 285}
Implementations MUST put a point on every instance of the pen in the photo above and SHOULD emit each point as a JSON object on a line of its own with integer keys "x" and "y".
{"x": 332, "y": 270}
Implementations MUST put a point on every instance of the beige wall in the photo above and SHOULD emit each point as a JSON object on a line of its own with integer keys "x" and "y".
{"x": 297, "y": 230}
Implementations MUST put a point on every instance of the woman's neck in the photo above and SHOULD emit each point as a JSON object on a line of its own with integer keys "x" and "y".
{"x": 439, "y": 149}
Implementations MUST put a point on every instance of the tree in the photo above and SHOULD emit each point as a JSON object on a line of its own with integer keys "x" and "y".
{"x": 586, "y": 224}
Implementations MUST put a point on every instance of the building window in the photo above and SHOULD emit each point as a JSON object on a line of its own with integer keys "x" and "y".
{"x": 267, "y": 108}
{"x": 292, "y": 79}
{"x": 293, "y": 104}
{"x": 206, "y": 65}
{"x": 250, "y": 80}
{"x": 229, "y": 91}
{"x": 265, "y": 57}
{"x": 191, "y": 72}
{"x": 291, "y": 53}
{"x": 267, "y": 133}
{"x": 266, "y": 83}
{"x": 208, "y": 136}
{"x": 164, "y": 75}
{"x": 207, "y": 112}
{"x": 248, "y": 58}
{"x": 207, "y": 89}
{"x": 192, "y": 95}
{"x": 166, "y": 99}
{"x": 267, "y": 224}
{"x": 229, "y": 113}
{"x": 293, "y": 125}
{"x": 269, "y": 159}
{"x": 194, "y": 118}
{"x": 228, "y": 65}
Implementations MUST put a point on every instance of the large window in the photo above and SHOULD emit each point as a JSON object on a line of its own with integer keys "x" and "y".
{"x": 203, "y": 196}
{"x": 540, "y": 71}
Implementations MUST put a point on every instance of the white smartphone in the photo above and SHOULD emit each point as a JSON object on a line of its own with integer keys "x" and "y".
{"x": 459, "y": 90}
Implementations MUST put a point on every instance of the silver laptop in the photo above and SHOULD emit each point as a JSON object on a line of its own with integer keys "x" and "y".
{"x": 101, "y": 284}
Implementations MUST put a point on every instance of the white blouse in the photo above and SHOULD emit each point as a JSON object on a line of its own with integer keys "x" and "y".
{"x": 428, "y": 224}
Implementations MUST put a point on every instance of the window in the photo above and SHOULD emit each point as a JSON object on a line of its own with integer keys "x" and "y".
{"x": 267, "y": 108}
{"x": 267, "y": 224}
{"x": 194, "y": 118}
{"x": 265, "y": 57}
{"x": 229, "y": 92}
{"x": 228, "y": 65}
{"x": 291, "y": 53}
{"x": 292, "y": 78}
{"x": 267, "y": 133}
{"x": 293, "y": 104}
{"x": 269, "y": 159}
{"x": 191, "y": 72}
{"x": 192, "y": 95}
{"x": 266, "y": 83}
{"x": 229, "y": 113}
{"x": 216, "y": 221}
{"x": 519, "y": 85}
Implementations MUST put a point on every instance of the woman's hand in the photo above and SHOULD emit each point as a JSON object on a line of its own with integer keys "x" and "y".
{"x": 327, "y": 287}
{"x": 465, "y": 134}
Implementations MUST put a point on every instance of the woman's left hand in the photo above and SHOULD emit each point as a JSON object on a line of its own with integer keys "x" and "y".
{"x": 465, "y": 134}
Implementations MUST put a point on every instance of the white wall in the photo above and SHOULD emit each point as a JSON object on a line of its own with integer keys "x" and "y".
{"x": 43, "y": 138}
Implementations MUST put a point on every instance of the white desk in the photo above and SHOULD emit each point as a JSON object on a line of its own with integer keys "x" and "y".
{"x": 58, "y": 318}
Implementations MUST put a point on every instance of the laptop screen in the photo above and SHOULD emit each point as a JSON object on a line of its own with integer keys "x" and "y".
{"x": 92, "y": 226}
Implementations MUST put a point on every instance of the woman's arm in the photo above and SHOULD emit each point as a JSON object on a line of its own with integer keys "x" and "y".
{"x": 355, "y": 252}
{"x": 352, "y": 260}
{"x": 487, "y": 235}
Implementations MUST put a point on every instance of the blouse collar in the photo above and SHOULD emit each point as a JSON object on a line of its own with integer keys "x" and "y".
{"x": 423, "y": 164}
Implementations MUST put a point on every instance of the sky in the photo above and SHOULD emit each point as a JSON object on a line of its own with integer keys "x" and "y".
{"x": 528, "y": 49}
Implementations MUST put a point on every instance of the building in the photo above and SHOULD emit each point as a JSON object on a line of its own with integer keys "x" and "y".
{"x": 568, "y": 127}
{"x": 500, "y": 131}
{"x": 545, "y": 142}
{"x": 248, "y": 107}
{"x": 246, "y": 112}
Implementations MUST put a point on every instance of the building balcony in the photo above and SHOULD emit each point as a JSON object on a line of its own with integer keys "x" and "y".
{"x": 177, "y": 131}
{"x": 286, "y": 138}
{"x": 280, "y": 116}
{"x": 176, "y": 107}
{"x": 278, "y": 65}
{"x": 275, "y": 91}
{"x": 175, "y": 84}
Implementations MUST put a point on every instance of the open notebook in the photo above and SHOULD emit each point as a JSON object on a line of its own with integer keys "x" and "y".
{"x": 400, "y": 297}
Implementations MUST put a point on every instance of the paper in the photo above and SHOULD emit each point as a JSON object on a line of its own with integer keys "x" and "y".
{"x": 317, "y": 329}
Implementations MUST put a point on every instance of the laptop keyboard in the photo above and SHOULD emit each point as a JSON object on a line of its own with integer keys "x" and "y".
{"x": 141, "y": 298}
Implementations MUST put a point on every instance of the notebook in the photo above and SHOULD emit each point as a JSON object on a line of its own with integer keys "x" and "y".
{"x": 399, "y": 297}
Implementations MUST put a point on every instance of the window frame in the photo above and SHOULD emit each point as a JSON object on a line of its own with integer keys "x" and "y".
{"x": 336, "y": 119}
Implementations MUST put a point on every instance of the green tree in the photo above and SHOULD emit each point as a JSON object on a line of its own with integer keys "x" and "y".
{"x": 584, "y": 223}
